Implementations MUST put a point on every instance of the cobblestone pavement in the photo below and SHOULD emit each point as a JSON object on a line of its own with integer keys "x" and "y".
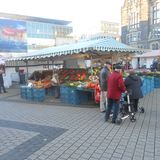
{"x": 51, "y": 132}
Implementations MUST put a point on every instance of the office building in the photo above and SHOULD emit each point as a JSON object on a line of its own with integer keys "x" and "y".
{"x": 141, "y": 23}
{"x": 23, "y": 34}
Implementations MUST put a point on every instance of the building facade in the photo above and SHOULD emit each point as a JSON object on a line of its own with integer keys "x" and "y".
{"x": 140, "y": 23}
{"x": 103, "y": 29}
{"x": 24, "y": 34}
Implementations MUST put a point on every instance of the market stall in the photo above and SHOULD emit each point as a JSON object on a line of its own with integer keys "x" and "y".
{"x": 79, "y": 62}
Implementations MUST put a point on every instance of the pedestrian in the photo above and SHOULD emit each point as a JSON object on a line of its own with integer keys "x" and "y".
{"x": 133, "y": 84}
{"x": 115, "y": 88}
{"x": 2, "y": 82}
{"x": 56, "y": 84}
{"x": 105, "y": 71}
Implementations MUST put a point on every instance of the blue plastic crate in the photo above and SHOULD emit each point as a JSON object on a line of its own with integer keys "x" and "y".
{"x": 38, "y": 99}
{"x": 23, "y": 95}
{"x": 29, "y": 92}
{"x": 50, "y": 91}
{"x": 29, "y": 98}
{"x": 64, "y": 89}
{"x": 74, "y": 101}
{"x": 38, "y": 94}
{"x": 156, "y": 82}
{"x": 84, "y": 96}
{"x": 23, "y": 89}
{"x": 65, "y": 98}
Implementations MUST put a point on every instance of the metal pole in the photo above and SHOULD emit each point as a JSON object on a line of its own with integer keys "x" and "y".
{"x": 48, "y": 63}
{"x": 27, "y": 68}
{"x": 91, "y": 64}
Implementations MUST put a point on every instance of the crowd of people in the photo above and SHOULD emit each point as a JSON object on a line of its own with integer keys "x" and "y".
{"x": 112, "y": 85}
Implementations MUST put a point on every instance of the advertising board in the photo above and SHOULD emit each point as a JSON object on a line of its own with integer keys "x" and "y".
{"x": 13, "y": 36}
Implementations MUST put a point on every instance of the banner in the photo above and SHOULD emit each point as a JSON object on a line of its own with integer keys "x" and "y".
{"x": 13, "y": 36}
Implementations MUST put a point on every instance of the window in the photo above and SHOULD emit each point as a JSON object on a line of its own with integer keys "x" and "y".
{"x": 134, "y": 20}
{"x": 155, "y": 14}
{"x": 153, "y": 46}
{"x": 155, "y": 33}
{"x": 156, "y": 46}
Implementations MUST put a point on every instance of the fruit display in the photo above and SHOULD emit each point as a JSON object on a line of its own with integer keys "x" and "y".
{"x": 72, "y": 75}
{"x": 81, "y": 78}
{"x": 41, "y": 79}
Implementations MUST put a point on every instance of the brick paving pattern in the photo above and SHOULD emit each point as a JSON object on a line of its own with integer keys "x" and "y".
{"x": 77, "y": 133}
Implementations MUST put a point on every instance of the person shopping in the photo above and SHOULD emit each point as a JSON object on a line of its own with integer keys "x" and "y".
{"x": 115, "y": 88}
{"x": 104, "y": 73}
{"x": 133, "y": 84}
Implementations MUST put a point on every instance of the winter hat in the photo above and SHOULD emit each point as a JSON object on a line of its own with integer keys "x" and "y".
{"x": 131, "y": 71}
{"x": 118, "y": 66}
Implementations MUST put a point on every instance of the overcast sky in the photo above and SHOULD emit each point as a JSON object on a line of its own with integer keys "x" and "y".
{"x": 83, "y": 13}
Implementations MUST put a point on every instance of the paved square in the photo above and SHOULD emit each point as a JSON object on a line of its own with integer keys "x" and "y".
{"x": 80, "y": 133}
{"x": 17, "y": 146}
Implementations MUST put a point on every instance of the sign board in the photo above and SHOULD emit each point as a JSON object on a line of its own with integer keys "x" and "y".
{"x": 13, "y": 36}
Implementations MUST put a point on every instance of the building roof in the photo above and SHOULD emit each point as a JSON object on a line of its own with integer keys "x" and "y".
{"x": 106, "y": 45}
{"x": 154, "y": 53}
{"x": 35, "y": 19}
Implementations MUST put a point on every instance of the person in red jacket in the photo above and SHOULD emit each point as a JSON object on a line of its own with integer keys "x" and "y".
{"x": 115, "y": 88}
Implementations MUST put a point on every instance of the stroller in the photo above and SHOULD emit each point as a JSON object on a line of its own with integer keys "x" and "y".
{"x": 127, "y": 109}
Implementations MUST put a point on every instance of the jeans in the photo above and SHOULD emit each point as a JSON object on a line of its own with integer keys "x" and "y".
{"x": 113, "y": 105}
{"x": 103, "y": 100}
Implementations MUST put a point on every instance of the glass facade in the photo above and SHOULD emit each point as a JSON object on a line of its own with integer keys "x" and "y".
{"x": 24, "y": 34}
{"x": 46, "y": 30}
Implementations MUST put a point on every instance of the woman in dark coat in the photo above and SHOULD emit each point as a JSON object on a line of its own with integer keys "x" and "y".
{"x": 133, "y": 84}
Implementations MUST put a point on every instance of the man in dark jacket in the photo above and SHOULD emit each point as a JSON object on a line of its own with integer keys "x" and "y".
{"x": 105, "y": 71}
{"x": 133, "y": 84}
{"x": 115, "y": 88}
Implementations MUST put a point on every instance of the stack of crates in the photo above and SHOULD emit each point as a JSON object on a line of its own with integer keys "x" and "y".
{"x": 38, "y": 95}
{"x": 23, "y": 91}
{"x": 64, "y": 96}
{"x": 152, "y": 83}
{"x": 50, "y": 91}
{"x": 84, "y": 96}
{"x": 71, "y": 95}
{"x": 148, "y": 85}
{"x": 29, "y": 92}
{"x": 75, "y": 96}
{"x": 32, "y": 94}
{"x": 157, "y": 82}
{"x": 144, "y": 86}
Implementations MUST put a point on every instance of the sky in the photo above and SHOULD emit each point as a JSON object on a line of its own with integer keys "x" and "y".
{"x": 83, "y": 13}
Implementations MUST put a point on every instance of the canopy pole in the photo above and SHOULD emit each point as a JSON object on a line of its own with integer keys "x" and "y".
{"x": 111, "y": 60}
{"x": 26, "y": 61}
{"x": 52, "y": 64}
{"x": 91, "y": 64}
{"x": 127, "y": 65}
{"x": 48, "y": 63}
